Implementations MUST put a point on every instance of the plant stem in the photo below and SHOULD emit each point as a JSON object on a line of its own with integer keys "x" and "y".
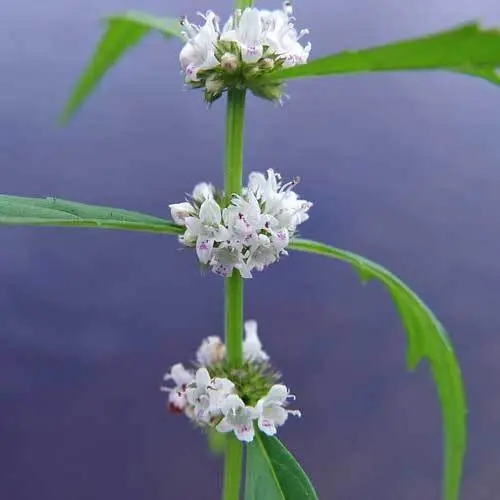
{"x": 232, "y": 469}
{"x": 241, "y": 4}
{"x": 233, "y": 169}
{"x": 232, "y": 184}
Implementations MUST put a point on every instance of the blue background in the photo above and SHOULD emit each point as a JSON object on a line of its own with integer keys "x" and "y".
{"x": 402, "y": 168}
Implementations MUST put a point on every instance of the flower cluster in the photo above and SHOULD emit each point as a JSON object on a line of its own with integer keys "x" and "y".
{"x": 227, "y": 399}
{"x": 250, "y": 45}
{"x": 251, "y": 232}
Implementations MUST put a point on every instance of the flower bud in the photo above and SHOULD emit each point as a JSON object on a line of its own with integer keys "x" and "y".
{"x": 229, "y": 62}
{"x": 213, "y": 85}
{"x": 180, "y": 211}
{"x": 266, "y": 63}
{"x": 211, "y": 351}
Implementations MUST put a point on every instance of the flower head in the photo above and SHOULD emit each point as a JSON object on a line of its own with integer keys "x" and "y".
{"x": 250, "y": 45}
{"x": 250, "y": 232}
{"x": 229, "y": 398}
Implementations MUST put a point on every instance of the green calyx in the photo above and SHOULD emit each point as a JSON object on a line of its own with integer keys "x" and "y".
{"x": 252, "y": 380}
{"x": 233, "y": 72}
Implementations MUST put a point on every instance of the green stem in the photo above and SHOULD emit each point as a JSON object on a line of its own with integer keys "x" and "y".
{"x": 233, "y": 172}
{"x": 241, "y": 4}
{"x": 232, "y": 469}
{"x": 233, "y": 169}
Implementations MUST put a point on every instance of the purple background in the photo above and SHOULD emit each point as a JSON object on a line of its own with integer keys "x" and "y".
{"x": 402, "y": 168}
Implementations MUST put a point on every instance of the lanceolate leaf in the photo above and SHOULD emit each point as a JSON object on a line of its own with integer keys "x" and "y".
{"x": 428, "y": 340}
{"x": 122, "y": 32}
{"x": 467, "y": 49}
{"x": 273, "y": 474}
{"x": 16, "y": 210}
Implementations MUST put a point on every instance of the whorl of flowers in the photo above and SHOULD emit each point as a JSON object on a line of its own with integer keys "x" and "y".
{"x": 230, "y": 399}
{"x": 249, "y": 232}
{"x": 250, "y": 45}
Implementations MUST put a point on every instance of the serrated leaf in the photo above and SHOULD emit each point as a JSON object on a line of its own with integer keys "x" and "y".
{"x": 122, "y": 32}
{"x": 466, "y": 49}
{"x": 427, "y": 339}
{"x": 273, "y": 474}
{"x": 20, "y": 211}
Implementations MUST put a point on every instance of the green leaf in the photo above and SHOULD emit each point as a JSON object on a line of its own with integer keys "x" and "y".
{"x": 428, "y": 340}
{"x": 466, "y": 49}
{"x": 216, "y": 441}
{"x": 20, "y": 211}
{"x": 273, "y": 474}
{"x": 122, "y": 32}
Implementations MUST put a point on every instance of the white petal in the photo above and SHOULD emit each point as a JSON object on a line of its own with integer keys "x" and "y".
{"x": 180, "y": 211}
{"x": 278, "y": 393}
{"x": 222, "y": 269}
{"x": 188, "y": 238}
{"x": 250, "y": 27}
{"x": 180, "y": 375}
{"x": 280, "y": 239}
{"x": 212, "y": 350}
{"x": 210, "y": 212}
{"x": 204, "y": 248}
{"x": 222, "y": 234}
{"x": 251, "y": 53}
{"x": 202, "y": 191}
{"x": 244, "y": 432}
{"x": 267, "y": 426}
{"x": 195, "y": 227}
{"x": 244, "y": 271}
{"x": 276, "y": 414}
{"x": 202, "y": 377}
{"x": 224, "y": 426}
{"x": 232, "y": 403}
{"x": 223, "y": 385}
{"x": 177, "y": 401}
{"x": 252, "y": 346}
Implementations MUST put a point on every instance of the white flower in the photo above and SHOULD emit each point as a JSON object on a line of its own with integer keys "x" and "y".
{"x": 202, "y": 191}
{"x": 243, "y": 218}
{"x": 228, "y": 257}
{"x": 206, "y": 395}
{"x": 251, "y": 233}
{"x": 212, "y": 350}
{"x": 221, "y": 389}
{"x": 282, "y": 37}
{"x": 271, "y": 413}
{"x": 198, "y": 395}
{"x": 177, "y": 394}
{"x": 247, "y": 32}
{"x": 251, "y": 29}
{"x": 180, "y": 211}
{"x": 281, "y": 204}
{"x": 238, "y": 418}
{"x": 207, "y": 228}
{"x": 252, "y": 346}
{"x": 199, "y": 51}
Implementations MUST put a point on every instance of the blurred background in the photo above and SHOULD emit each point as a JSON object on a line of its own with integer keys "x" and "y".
{"x": 402, "y": 168}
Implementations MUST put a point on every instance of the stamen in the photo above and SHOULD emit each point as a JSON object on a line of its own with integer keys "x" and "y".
{"x": 303, "y": 32}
